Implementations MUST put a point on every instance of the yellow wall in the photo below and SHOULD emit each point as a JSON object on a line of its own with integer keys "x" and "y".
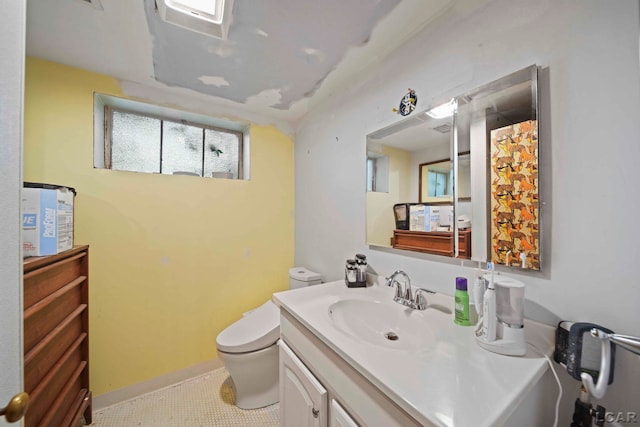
{"x": 173, "y": 259}
{"x": 380, "y": 218}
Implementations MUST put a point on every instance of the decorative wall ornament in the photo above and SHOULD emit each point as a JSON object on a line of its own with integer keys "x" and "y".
{"x": 407, "y": 103}
{"x": 514, "y": 195}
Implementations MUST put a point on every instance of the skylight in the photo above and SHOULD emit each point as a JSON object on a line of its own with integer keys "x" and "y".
{"x": 208, "y": 9}
{"x": 210, "y": 17}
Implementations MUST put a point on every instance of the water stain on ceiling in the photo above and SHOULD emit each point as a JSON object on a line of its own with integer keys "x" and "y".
{"x": 280, "y": 57}
{"x": 277, "y": 51}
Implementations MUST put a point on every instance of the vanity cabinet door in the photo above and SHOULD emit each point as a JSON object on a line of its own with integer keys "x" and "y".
{"x": 303, "y": 400}
{"x": 338, "y": 417}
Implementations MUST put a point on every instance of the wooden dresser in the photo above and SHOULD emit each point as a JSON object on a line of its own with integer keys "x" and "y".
{"x": 435, "y": 242}
{"x": 56, "y": 339}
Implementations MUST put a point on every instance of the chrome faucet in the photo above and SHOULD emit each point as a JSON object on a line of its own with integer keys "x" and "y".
{"x": 404, "y": 297}
{"x": 399, "y": 296}
{"x": 420, "y": 302}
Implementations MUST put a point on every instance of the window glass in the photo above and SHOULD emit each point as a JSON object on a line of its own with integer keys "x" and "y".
{"x": 206, "y": 6}
{"x": 135, "y": 143}
{"x": 221, "y": 152}
{"x": 371, "y": 178}
{"x": 181, "y": 148}
{"x": 152, "y": 144}
{"x": 437, "y": 184}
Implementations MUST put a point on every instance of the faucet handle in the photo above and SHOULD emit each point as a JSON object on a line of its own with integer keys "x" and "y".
{"x": 408, "y": 295}
{"x": 420, "y": 301}
{"x": 399, "y": 297}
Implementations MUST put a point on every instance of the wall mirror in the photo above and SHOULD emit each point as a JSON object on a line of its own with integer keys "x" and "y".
{"x": 411, "y": 158}
{"x": 497, "y": 125}
{"x": 485, "y": 205}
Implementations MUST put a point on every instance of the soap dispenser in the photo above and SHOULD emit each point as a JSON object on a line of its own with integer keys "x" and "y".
{"x": 462, "y": 302}
{"x": 361, "y": 263}
{"x": 351, "y": 273}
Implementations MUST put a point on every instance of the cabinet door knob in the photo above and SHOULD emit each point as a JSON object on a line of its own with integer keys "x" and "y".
{"x": 315, "y": 412}
{"x": 16, "y": 408}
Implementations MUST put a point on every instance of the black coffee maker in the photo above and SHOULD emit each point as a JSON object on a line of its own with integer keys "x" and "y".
{"x": 401, "y": 214}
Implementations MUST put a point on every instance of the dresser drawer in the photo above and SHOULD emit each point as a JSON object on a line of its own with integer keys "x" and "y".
{"x": 44, "y": 316}
{"x": 42, "y": 282}
{"x": 49, "y": 390}
{"x": 56, "y": 339}
{"x": 39, "y": 361}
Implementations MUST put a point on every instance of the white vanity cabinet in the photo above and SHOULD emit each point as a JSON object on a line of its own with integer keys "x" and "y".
{"x": 339, "y": 417}
{"x": 303, "y": 400}
{"x": 438, "y": 375}
{"x": 314, "y": 378}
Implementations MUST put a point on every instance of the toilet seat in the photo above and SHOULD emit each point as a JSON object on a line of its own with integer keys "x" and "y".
{"x": 259, "y": 329}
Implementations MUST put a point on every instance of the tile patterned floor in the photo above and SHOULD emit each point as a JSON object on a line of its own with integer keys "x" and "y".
{"x": 206, "y": 400}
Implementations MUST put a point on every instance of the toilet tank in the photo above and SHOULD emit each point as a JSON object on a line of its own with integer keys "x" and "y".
{"x": 300, "y": 277}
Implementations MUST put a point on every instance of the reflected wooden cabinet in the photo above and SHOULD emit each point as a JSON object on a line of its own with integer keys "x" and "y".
{"x": 434, "y": 242}
{"x": 56, "y": 339}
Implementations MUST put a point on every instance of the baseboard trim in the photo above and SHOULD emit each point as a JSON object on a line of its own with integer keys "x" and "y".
{"x": 117, "y": 396}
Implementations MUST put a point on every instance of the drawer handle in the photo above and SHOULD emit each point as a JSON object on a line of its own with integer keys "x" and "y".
{"x": 315, "y": 412}
{"x": 16, "y": 408}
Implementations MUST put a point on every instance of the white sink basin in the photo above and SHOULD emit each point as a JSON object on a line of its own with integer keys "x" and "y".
{"x": 381, "y": 323}
{"x": 433, "y": 371}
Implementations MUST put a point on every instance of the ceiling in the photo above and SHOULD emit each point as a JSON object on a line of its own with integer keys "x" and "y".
{"x": 416, "y": 133}
{"x": 509, "y": 97}
{"x": 281, "y": 57}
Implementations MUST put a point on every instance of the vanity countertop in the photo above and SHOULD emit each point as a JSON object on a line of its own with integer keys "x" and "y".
{"x": 452, "y": 382}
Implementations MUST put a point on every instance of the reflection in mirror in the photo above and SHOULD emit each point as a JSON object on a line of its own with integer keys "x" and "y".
{"x": 495, "y": 172}
{"x": 463, "y": 189}
{"x": 436, "y": 182}
{"x": 405, "y": 215}
{"x": 498, "y": 125}
{"x": 377, "y": 172}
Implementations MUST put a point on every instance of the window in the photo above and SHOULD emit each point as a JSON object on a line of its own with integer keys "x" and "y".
{"x": 371, "y": 174}
{"x": 438, "y": 183}
{"x": 212, "y": 9}
{"x": 209, "y": 17}
{"x": 377, "y": 173}
{"x": 137, "y": 139}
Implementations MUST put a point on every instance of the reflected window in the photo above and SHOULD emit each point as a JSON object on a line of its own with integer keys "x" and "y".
{"x": 377, "y": 173}
{"x": 371, "y": 174}
{"x": 438, "y": 183}
{"x": 435, "y": 181}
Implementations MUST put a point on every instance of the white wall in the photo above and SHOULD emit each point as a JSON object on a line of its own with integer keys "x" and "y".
{"x": 588, "y": 50}
{"x": 12, "y": 35}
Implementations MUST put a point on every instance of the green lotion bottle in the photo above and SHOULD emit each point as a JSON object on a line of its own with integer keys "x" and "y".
{"x": 461, "y": 298}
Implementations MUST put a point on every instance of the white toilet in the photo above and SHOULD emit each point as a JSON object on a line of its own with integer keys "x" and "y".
{"x": 249, "y": 352}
